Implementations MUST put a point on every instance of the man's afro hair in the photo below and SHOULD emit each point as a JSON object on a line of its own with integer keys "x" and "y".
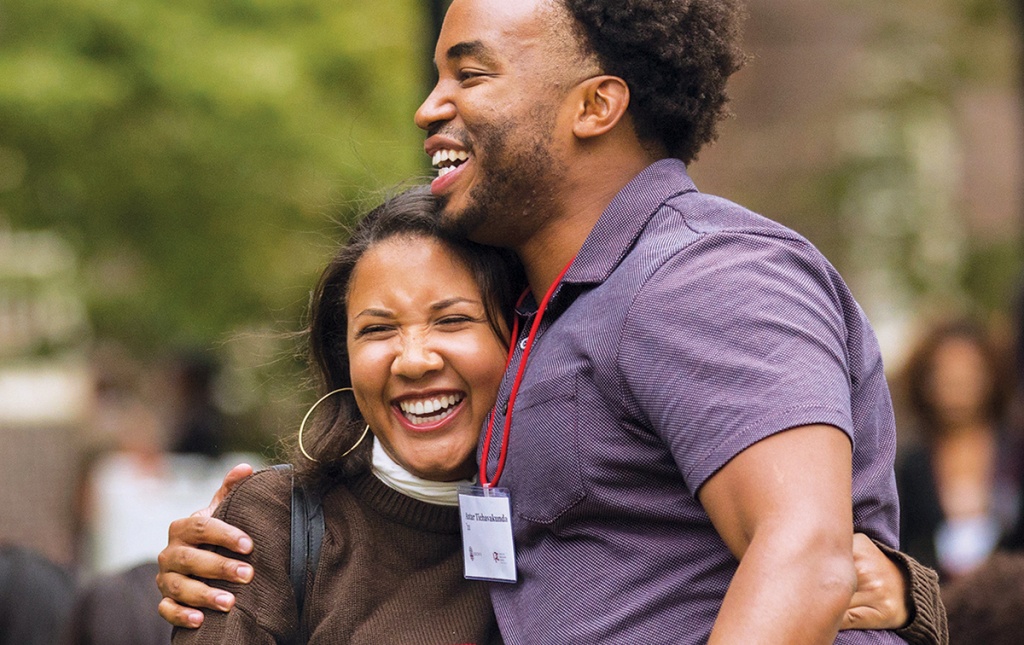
{"x": 675, "y": 56}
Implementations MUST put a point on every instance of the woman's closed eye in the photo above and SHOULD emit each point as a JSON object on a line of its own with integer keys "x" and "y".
{"x": 374, "y": 330}
{"x": 457, "y": 321}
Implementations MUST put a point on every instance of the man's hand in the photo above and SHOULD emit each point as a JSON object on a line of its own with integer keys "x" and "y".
{"x": 183, "y": 558}
{"x": 880, "y": 601}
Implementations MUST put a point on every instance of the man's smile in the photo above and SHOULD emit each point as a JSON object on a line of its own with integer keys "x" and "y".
{"x": 448, "y": 160}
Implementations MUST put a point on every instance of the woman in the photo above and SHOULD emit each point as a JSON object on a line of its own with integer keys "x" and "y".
{"x": 415, "y": 326}
{"x": 388, "y": 322}
{"x": 960, "y": 489}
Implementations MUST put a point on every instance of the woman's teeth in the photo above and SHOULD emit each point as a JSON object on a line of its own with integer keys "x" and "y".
{"x": 426, "y": 411}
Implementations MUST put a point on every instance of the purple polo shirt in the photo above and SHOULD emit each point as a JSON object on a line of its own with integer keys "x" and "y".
{"x": 687, "y": 329}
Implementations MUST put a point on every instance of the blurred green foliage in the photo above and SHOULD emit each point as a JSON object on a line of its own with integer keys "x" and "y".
{"x": 899, "y": 184}
{"x": 197, "y": 154}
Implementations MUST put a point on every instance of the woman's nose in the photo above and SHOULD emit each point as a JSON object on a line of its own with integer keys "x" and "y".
{"x": 416, "y": 358}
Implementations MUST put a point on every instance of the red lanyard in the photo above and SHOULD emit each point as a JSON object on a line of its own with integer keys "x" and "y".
{"x": 532, "y": 336}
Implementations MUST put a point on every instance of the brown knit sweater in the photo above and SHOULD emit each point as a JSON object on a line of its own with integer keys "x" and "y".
{"x": 390, "y": 572}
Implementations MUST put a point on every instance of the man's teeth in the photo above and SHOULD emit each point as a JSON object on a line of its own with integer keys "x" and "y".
{"x": 429, "y": 410}
{"x": 452, "y": 157}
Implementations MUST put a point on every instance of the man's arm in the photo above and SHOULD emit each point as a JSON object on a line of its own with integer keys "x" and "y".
{"x": 263, "y": 614}
{"x": 782, "y": 506}
{"x": 183, "y": 557}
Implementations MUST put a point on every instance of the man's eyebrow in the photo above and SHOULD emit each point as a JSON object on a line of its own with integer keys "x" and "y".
{"x": 475, "y": 48}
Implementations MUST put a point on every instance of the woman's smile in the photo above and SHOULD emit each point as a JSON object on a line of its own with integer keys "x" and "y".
{"x": 423, "y": 413}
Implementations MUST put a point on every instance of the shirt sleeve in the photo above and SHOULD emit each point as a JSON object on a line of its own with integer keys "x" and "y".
{"x": 733, "y": 339}
{"x": 264, "y": 611}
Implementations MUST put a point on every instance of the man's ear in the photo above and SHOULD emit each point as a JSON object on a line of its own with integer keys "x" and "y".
{"x": 603, "y": 103}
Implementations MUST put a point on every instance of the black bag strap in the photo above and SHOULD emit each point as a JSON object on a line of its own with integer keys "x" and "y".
{"x": 307, "y": 535}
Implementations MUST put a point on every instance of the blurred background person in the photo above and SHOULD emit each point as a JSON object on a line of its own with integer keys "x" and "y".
{"x": 156, "y": 438}
{"x": 985, "y": 605}
{"x": 161, "y": 447}
{"x": 117, "y": 609}
{"x": 195, "y": 422}
{"x": 960, "y": 484}
{"x": 35, "y": 597}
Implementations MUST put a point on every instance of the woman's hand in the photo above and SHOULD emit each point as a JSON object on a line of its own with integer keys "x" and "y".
{"x": 183, "y": 558}
{"x": 880, "y": 601}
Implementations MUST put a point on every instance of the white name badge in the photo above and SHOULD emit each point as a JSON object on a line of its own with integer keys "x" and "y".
{"x": 488, "y": 551}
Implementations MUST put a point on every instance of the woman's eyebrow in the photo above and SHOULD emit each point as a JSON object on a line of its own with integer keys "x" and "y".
{"x": 375, "y": 313}
{"x": 449, "y": 302}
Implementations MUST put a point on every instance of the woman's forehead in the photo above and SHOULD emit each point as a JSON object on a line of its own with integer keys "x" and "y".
{"x": 411, "y": 268}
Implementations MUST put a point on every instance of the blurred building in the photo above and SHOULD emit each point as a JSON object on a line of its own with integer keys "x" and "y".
{"x": 45, "y": 390}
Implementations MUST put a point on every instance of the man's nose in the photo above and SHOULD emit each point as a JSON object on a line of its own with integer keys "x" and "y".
{"x": 436, "y": 109}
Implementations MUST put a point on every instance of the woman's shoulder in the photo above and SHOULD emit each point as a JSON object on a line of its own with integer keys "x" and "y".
{"x": 259, "y": 505}
{"x": 263, "y": 496}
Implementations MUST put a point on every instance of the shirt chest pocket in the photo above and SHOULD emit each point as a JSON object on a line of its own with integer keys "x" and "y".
{"x": 544, "y": 450}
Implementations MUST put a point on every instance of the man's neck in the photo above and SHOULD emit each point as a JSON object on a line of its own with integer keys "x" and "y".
{"x": 585, "y": 197}
{"x": 545, "y": 255}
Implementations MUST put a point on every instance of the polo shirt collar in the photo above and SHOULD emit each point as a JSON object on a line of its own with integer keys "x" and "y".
{"x": 625, "y": 217}
{"x": 619, "y": 226}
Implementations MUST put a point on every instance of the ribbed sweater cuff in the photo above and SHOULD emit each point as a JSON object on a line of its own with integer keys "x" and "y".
{"x": 927, "y": 624}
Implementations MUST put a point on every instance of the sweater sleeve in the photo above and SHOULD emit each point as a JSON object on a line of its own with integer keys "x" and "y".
{"x": 264, "y": 611}
{"x": 233, "y": 627}
{"x": 927, "y": 624}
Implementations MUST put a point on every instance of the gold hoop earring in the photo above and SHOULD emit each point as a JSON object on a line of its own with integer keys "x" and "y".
{"x": 302, "y": 426}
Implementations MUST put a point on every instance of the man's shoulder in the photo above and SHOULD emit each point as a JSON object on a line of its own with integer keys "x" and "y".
{"x": 693, "y": 230}
{"x": 701, "y": 254}
{"x": 703, "y": 215}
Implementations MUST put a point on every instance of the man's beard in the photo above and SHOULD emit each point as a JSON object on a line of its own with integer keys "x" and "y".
{"x": 517, "y": 184}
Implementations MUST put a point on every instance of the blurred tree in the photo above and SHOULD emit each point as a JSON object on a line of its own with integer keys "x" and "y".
{"x": 192, "y": 151}
{"x": 910, "y": 189}
{"x": 888, "y": 133}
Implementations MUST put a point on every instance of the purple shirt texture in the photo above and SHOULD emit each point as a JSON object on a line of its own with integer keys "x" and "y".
{"x": 687, "y": 329}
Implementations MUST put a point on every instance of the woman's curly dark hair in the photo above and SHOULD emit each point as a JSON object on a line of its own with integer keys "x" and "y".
{"x": 675, "y": 56}
{"x": 916, "y": 376}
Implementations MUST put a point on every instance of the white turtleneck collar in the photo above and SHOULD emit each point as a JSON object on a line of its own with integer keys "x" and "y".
{"x": 424, "y": 490}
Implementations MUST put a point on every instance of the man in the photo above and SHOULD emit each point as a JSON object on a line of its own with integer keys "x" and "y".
{"x": 702, "y": 397}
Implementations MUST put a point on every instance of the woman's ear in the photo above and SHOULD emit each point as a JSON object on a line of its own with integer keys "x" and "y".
{"x": 603, "y": 102}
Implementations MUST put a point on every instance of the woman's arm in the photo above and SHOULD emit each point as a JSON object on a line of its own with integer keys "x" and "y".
{"x": 783, "y": 508}
{"x": 881, "y": 600}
